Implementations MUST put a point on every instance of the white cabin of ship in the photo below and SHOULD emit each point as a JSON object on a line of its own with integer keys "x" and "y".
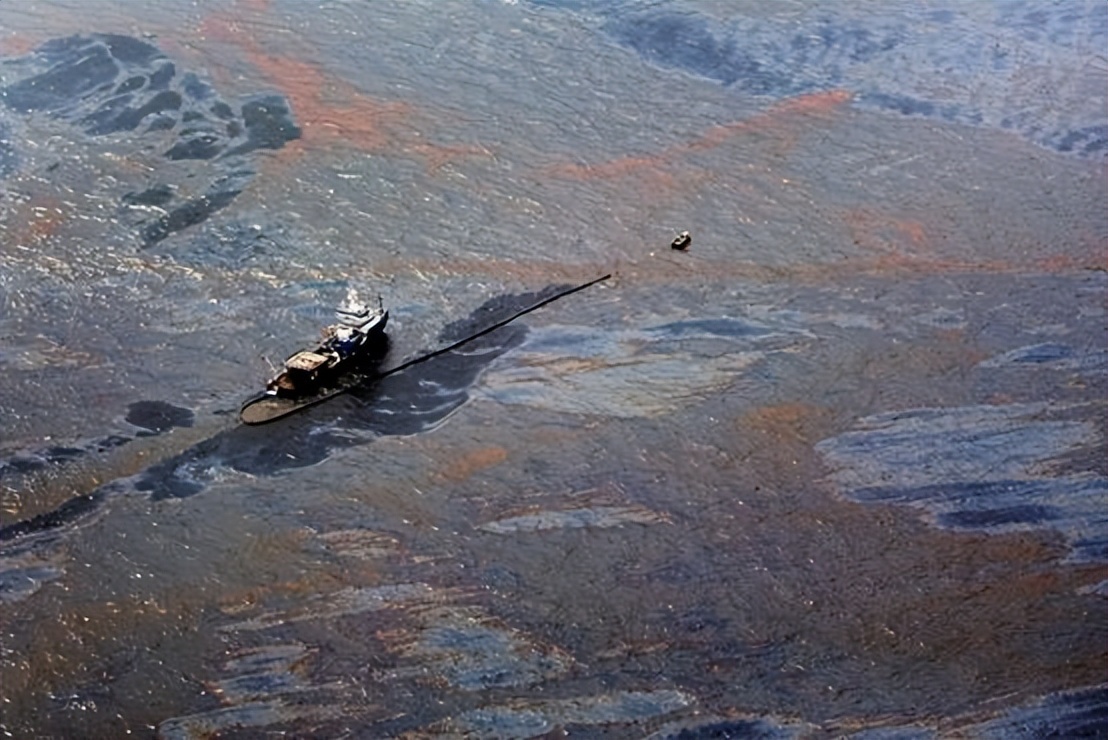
{"x": 356, "y": 314}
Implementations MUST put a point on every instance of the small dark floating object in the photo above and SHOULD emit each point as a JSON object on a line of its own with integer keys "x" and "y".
{"x": 682, "y": 241}
{"x": 314, "y": 375}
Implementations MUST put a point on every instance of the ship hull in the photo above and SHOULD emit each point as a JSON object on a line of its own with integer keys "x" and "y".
{"x": 307, "y": 372}
{"x": 357, "y": 370}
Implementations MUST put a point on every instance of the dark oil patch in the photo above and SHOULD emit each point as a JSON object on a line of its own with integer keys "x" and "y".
{"x": 71, "y": 511}
{"x": 18, "y": 583}
{"x": 26, "y": 462}
{"x": 881, "y": 58}
{"x": 1053, "y": 355}
{"x": 189, "y": 213}
{"x": 158, "y": 416}
{"x": 110, "y": 442}
{"x": 496, "y": 310}
{"x": 722, "y": 327}
{"x": 982, "y": 468}
{"x": 29, "y": 462}
{"x": 540, "y": 718}
{"x": 231, "y": 245}
{"x": 63, "y": 454}
{"x": 21, "y": 465}
{"x": 109, "y": 84}
{"x": 1000, "y": 516}
{"x": 732, "y": 729}
{"x": 409, "y": 402}
{"x": 688, "y": 42}
{"x": 157, "y": 195}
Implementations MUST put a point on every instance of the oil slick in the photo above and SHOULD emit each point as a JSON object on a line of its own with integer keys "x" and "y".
{"x": 261, "y": 687}
{"x": 1077, "y": 713}
{"x": 600, "y": 517}
{"x": 346, "y": 602}
{"x": 150, "y": 418}
{"x": 156, "y": 417}
{"x": 1053, "y": 356}
{"x": 409, "y": 402}
{"x": 754, "y": 728}
{"x": 24, "y": 570}
{"x": 538, "y": 718}
{"x": 248, "y": 716}
{"x": 108, "y": 84}
{"x": 637, "y": 372}
{"x": 989, "y": 468}
{"x": 890, "y": 62}
{"x": 632, "y": 531}
{"x": 465, "y": 648}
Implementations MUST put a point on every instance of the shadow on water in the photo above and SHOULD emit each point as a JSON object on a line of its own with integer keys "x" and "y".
{"x": 408, "y": 402}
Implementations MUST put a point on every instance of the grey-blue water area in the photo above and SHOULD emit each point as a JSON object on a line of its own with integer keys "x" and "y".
{"x": 835, "y": 470}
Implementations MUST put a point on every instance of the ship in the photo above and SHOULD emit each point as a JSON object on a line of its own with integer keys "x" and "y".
{"x": 350, "y": 356}
{"x": 359, "y": 328}
{"x": 349, "y": 346}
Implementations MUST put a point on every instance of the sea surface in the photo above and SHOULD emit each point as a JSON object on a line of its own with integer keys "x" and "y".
{"x": 837, "y": 470}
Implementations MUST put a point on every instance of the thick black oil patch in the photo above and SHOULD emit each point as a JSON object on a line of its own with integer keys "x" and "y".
{"x": 63, "y": 454}
{"x": 191, "y": 212}
{"x": 17, "y": 584}
{"x": 26, "y": 462}
{"x": 158, "y": 416}
{"x": 71, "y": 511}
{"x": 109, "y": 443}
{"x": 107, "y": 84}
{"x": 495, "y": 310}
{"x": 21, "y": 465}
{"x": 541, "y": 718}
{"x": 30, "y": 462}
{"x": 686, "y": 41}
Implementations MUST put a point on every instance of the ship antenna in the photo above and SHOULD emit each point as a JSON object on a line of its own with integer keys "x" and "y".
{"x": 272, "y": 367}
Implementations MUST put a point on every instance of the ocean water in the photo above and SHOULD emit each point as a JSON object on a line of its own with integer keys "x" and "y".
{"x": 837, "y": 470}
